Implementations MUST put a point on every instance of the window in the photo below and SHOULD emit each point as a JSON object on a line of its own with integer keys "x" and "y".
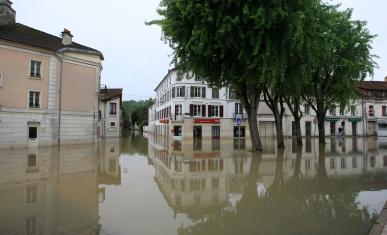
{"x": 31, "y": 162}
{"x": 178, "y": 91}
{"x": 34, "y": 99}
{"x": 1, "y": 80}
{"x": 198, "y": 92}
{"x": 32, "y": 132}
{"x": 32, "y": 194}
{"x": 215, "y": 93}
{"x": 112, "y": 124}
{"x": 239, "y": 131}
{"x": 112, "y": 165}
{"x": 371, "y": 111}
{"x": 214, "y": 111}
{"x": 197, "y": 110}
{"x": 178, "y": 110}
{"x": 112, "y": 109}
{"x": 31, "y": 225}
{"x": 231, "y": 94}
{"x": 307, "y": 109}
{"x": 35, "y": 69}
{"x": 238, "y": 108}
{"x": 216, "y": 132}
{"x": 384, "y": 111}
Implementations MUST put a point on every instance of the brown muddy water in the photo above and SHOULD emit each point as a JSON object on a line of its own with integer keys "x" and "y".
{"x": 146, "y": 185}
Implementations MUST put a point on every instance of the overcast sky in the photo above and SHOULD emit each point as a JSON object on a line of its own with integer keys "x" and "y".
{"x": 135, "y": 57}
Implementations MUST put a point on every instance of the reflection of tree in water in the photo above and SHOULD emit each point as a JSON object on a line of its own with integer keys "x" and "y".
{"x": 301, "y": 206}
{"x": 134, "y": 143}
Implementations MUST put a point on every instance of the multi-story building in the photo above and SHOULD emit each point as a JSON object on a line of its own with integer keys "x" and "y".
{"x": 49, "y": 86}
{"x": 110, "y": 114}
{"x": 186, "y": 107}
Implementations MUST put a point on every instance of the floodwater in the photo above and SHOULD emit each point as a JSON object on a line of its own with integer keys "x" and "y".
{"x": 137, "y": 185}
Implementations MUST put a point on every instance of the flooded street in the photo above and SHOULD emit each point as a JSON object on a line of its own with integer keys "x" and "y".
{"x": 139, "y": 185}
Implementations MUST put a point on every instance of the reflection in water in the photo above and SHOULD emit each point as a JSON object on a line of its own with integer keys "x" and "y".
{"x": 305, "y": 190}
{"x": 215, "y": 186}
{"x": 49, "y": 191}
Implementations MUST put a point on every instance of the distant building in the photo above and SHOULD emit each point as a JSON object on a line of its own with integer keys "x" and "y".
{"x": 186, "y": 107}
{"x": 48, "y": 86}
{"x": 110, "y": 114}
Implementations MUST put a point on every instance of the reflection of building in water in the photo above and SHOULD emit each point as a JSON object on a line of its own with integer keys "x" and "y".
{"x": 40, "y": 194}
{"x": 195, "y": 176}
{"x": 109, "y": 166}
{"x": 203, "y": 174}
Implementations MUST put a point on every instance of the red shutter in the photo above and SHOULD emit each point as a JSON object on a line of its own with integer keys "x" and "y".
{"x": 203, "y": 110}
{"x": 221, "y": 111}
{"x": 191, "y": 110}
{"x": 209, "y": 110}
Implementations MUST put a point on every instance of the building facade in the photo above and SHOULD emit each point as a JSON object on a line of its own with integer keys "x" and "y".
{"x": 186, "y": 107}
{"x": 48, "y": 86}
{"x": 110, "y": 113}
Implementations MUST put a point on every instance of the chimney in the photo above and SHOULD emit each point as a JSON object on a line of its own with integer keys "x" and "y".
{"x": 7, "y": 14}
{"x": 67, "y": 37}
{"x": 385, "y": 79}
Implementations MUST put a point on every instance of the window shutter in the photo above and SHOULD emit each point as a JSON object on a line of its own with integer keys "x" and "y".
{"x": 221, "y": 111}
{"x": 203, "y": 92}
{"x": 209, "y": 110}
{"x": 182, "y": 91}
{"x": 203, "y": 110}
{"x": 173, "y": 92}
{"x": 192, "y": 92}
{"x": 191, "y": 110}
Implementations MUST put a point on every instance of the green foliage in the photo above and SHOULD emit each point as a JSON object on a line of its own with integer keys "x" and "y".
{"x": 136, "y": 112}
{"x": 339, "y": 54}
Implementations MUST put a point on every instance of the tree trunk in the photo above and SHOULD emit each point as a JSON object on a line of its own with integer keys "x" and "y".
{"x": 297, "y": 125}
{"x": 321, "y": 127}
{"x": 279, "y": 128}
{"x": 253, "y": 126}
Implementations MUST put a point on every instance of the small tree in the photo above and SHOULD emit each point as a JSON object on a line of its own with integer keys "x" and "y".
{"x": 339, "y": 55}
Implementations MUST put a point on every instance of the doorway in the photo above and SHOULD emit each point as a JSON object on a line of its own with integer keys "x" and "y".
{"x": 333, "y": 128}
{"x": 308, "y": 129}
{"x": 197, "y": 132}
{"x": 354, "y": 129}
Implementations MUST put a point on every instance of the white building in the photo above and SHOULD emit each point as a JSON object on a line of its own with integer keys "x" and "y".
{"x": 110, "y": 114}
{"x": 186, "y": 107}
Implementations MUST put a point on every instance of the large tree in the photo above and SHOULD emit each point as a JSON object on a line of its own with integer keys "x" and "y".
{"x": 339, "y": 51}
{"x": 231, "y": 43}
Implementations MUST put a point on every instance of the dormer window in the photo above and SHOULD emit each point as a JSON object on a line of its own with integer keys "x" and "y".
{"x": 35, "y": 69}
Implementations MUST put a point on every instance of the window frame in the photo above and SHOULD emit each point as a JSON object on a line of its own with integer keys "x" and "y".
{"x": 217, "y": 93}
{"x": 199, "y": 110}
{"x": 30, "y": 67}
{"x": 28, "y": 99}
{"x": 110, "y": 109}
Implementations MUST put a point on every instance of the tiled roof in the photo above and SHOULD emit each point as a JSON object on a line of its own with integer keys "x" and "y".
{"x": 372, "y": 89}
{"x": 23, "y": 34}
{"x": 109, "y": 94}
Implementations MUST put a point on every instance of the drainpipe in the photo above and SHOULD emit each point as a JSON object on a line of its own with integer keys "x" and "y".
{"x": 60, "y": 99}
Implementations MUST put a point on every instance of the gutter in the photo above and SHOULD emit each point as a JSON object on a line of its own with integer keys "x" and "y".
{"x": 90, "y": 52}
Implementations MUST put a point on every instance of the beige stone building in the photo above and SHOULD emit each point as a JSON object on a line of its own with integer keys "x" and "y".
{"x": 110, "y": 113}
{"x": 48, "y": 86}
